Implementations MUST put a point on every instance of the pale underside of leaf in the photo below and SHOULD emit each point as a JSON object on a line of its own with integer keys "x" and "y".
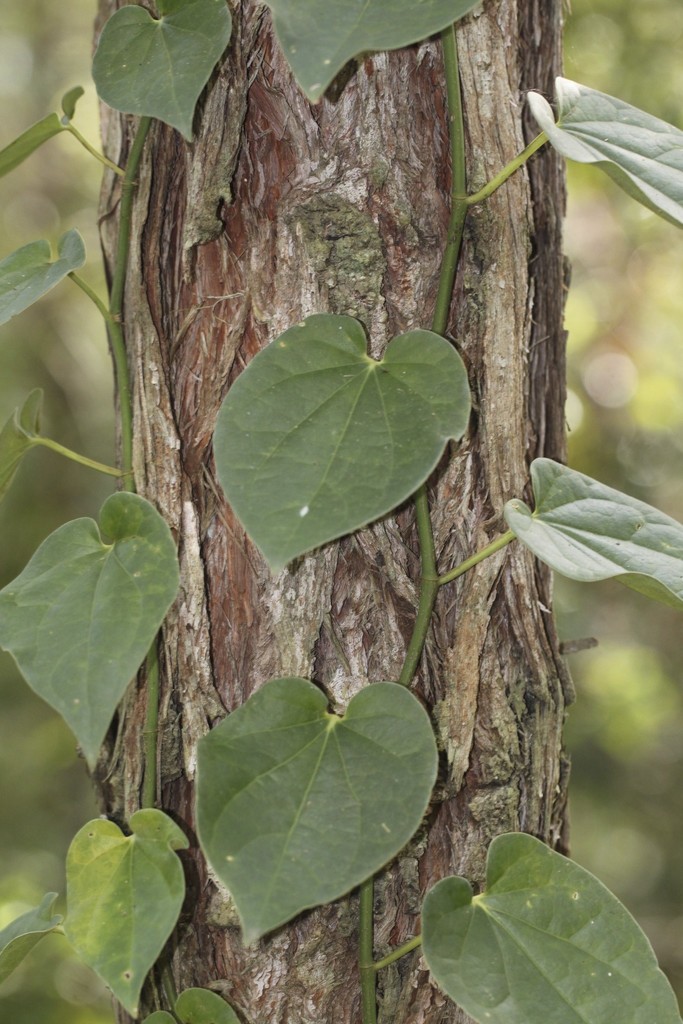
{"x": 19, "y": 937}
{"x": 588, "y": 531}
{"x": 641, "y": 153}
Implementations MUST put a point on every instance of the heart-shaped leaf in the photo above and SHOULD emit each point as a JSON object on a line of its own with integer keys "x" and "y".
{"x": 124, "y": 894}
{"x": 16, "y": 437}
{"x": 639, "y": 152}
{"x": 588, "y": 531}
{"x": 30, "y": 272}
{"x": 319, "y": 36}
{"x": 159, "y": 68}
{"x": 546, "y": 943}
{"x": 201, "y": 1006}
{"x": 21, "y": 935}
{"x": 28, "y": 142}
{"x": 296, "y": 806}
{"x": 82, "y": 615}
{"x": 316, "y": 439}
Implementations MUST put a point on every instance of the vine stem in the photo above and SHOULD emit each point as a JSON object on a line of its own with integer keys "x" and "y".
{"x": 54, "y": 446}
{"x": 429, "y": 585}
{"x": 118, "y": 346}
{"x": 400, "y": 951}
{"x": 93, "y": 152}
{"x": 148, "y": 796}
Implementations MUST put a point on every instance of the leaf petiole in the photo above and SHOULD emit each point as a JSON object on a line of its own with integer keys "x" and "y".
{"x": 473, "y": 560}
{"x": 54, "y": 446}
{"x": 93, "y": 152}
{"x": 400, "y": 951}
{"x": 507, "y": 171}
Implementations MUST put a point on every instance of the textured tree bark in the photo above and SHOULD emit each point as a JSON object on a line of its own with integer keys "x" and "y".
{"x": 277, "y": 210}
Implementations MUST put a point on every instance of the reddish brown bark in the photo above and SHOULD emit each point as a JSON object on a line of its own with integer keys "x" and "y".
{"x": 279, "y": 209}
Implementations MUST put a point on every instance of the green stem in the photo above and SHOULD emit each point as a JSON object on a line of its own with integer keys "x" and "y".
{"x": 429, "y": 585}
{"x": 54, "y": 446}
{"x": 93, "y": 152}
{"x": 118, "y": 346}
{"x": 150, "y": 733}
{"x": 469, "y": 563}
{"x": 168, "y": 986}
{"x": 507, "y": 171}
{"x": 366, "y": 953}
{"x": 92, "y": 295}
{"x": 400, "y": 951}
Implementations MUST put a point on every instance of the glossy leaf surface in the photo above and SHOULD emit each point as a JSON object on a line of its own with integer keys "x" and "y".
{"x": 28, "y": 142}
{"x": 124, "y": 894}
{"x": 546, "y": 943}
{"x": 297, "y": 806}
{"x": 316, "y": 439}
{"x": 30, "y": 272}
{"x": 588, "y": 531}
{"x": 82, "y": 615}
{"x": 201, "y": 1006}
{"x": 19, "y": 937}
{"x": 641, "y": 153}
{"x": 318, "y": 37}
{"x": 15, "y": 438}
{"x": 158, "y": 68}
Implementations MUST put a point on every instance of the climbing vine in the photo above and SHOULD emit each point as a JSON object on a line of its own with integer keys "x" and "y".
{"x": 296, "y": 805}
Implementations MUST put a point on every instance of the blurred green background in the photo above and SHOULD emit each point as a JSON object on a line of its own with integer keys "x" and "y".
{"x": 625, "y": 415}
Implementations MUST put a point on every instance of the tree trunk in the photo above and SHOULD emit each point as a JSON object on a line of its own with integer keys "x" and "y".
{"x": 279, "y": 209}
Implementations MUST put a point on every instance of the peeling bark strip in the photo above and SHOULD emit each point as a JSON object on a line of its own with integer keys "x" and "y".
{"x": 277, "y": 210}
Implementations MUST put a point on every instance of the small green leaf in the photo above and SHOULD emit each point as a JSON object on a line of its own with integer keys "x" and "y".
{"x": 546, "y": 943}
{"x": 28, "y": 142}
{"x": 21, "y": 935}
{"x": 29, "y": 272}
{"x": 642, "y": 154}
{"x": 316, "y": 439}
{"x": 124, "y": 894}
{"x": 80, "y": 618}
{"x": 589, "y": 532}
{"x": 318, "y": 37}
{"x": 159, "y": 68}
{"x": 296, "y": 806}
{"x": 201, "y": 1006}
{"x": 16, "y": 438}
{"x": 70, "y": 99}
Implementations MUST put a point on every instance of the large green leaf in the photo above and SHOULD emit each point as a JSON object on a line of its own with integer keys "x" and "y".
{"x": 639, "y": 152}
{"x": 296, "y": 806}
{"x": 124, "y": 894}
{"x": 588, "y": 531}
{"x": 546, "y": 943}
{"x": 201, "y": 1006}
{"x": 21, "y": 935}
{"x": 83, "y": 613}
{"x": 316, "y": 439}
{"x": 29, "y": 141}
{"x": 319, "y": 36}
{"x": 16, "y": 437}
{"x": 29, "y": 272}
{"x": 158, "y": 68}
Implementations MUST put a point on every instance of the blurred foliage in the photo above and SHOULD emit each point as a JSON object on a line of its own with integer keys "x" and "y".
{"x": 625, "y": 412}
